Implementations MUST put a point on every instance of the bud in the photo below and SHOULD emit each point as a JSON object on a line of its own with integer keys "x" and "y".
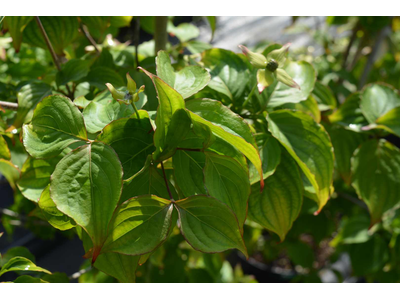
{"x": 285, "y": 78}
{"x": 136, "y": 95}
{"x": 279, "y": 55}
{"x": 264, "y": 79}
{"x": 117, "y": 95}
{"x": 131, "y": 84}
{"x": 256, "y": 59}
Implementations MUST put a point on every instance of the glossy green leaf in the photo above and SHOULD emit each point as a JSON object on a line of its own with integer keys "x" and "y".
{"x": 270, "y": 153}
{"x": 229, "y": 73}
{"x": 324, "y": 97}
{"x": 208, "y": 225}
{"x": 28, "y": 97}
{"x": 55, "y": 217}
{"x": 92, "y": 176}
{"x": 119, "y": 266}
{"x": 60, "y": 30}
{"x": 9, "y": 171}
{"x": 227, "y": 126}
{"x": 345, "y": 142}
{"x": 15, "y": 26}
{"x": 188, "y": 170}
{"x": 73, "y": 70}
{"x": 227, "y": 181}
{"x": 16, "y": 251}
{"x": 139, "y": 225}
{"x": 304, "y": 75}
{"x": 56, "y": 123}
{"x": 132, "y": 140}
{"x": 349, "y": 114}
{"x": 309, "y": 106}
{"x": 390, "y": 121}
{"x": 148, "y": 181}
{"x": 377, "y": 100}
{"x": 309, "y": 144}
{"x": 4, "y": 151}
{"x": 186, "y": 81}
{"x": 19, "y": 263}
{"x": 279, "y": 204}
{"x": 376, "y": 172}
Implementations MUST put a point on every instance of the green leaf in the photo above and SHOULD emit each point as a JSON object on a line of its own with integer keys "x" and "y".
{"x": 15, "y": 26}
{"x": 147, "y": 181}
{"x": 309, "y": 144}
{"x": 188, "y": 170}
{"x": 279, "y": 204}
{"x": 121, "y": 267}
{"x": 139, "y": 225}
{"x": 270, "y": 153}
{"x": 73, "y": 70}
{"x": 120, "y": 21}
{"x": 354, "y": 230}
{"x": 309, "y": 106}
{"x": 390, "y": 121}
{"x": 4, "y": 151}
{"x": 99, "y": 76}
{"x": 324, "y": 97}
{"x": 132, "y": 140}
{"x": 304, "y": 75}
{"x": 29, "y": 279}
{"x": 97, "y": 115}
{"x": 377, "y": 100}
{"x": 212, "y": 21}
{"x": 9, "y": 171}
{"x": 21, "y": 264}
{"x": 376, "y": 172}
{"x": 184, "y": 32}
{"x": 170, "y": 101}
{"x": 345, "y": 142}
{"x": 91, "y": 175}
{"x": 209, "y": 225}
{"x": 186, "y": 81}
{"x": 227, "y": 181}
{"x": 28, "y": 97}
{"x": 55, "y": 217}
{"x": 349, "y": 114}
{"x": 228, "y": 126}
{"x": 301, "y": 254}
{"x": 229, "y": 73}
{"x": 60, "y": 30}
{"x": 56, "y": 123}
{"x": 16, "y": 251}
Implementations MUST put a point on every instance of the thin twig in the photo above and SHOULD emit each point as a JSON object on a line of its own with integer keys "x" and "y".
{"x": 166, "y": 182}
{"x": 48, "y": 43}
{"x": 9, "y": 105}
{"x": 89, "y": 37}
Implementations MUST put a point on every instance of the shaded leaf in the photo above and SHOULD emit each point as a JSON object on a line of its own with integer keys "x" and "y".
{"x": 9, "y": 171}
{"x": 121, "y": 267}
{"x": 4, "y": 151}
{"x": 324, "y": 97}
{"x": 15, "y": 26}
{"x": 73, "y": 70}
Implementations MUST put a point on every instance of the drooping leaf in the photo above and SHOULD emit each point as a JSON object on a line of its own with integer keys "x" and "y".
{"x": 55, "y": 217}
{"x": 92, "y": 176}
{"x": 60, "y": 30}
{"x": 188, "y": 170}
{"x": 15, "y": 26}
{"x": 4, "y": 151}
{"x": 56, "y": 123}
{"x": 132, "y": 139}
{"x": 376, "y": 172}
{"x": 19, "y": 263}
{"x": 9, "y": 171}
{"x": 227, "y": 181}
{"x": 309, "y": 144}
{"x": 186, "y": 81}
{"x": 304, "y": 75}
{"x": 279, "y": 204}
{"x": 270, "y": 153}
{"x": 139, "y": 225}
{"x": 209, "y": 225}
{"x": 28, "y": 97}
{"x": 349, "y": 114}
{"x": 377, "y": 100}
{"x": 147, "y": 181}
{"x": 229, "y": 73}
{"x": 324, "y": 97}
{"x": 119, "y": 266}
{"x": 73, "y": 70}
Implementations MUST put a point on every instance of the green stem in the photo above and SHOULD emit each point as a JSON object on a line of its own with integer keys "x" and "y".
{"x": 136, "y": 110}
{"x": 160, "y": 33}
{"x": 249, "y": 96}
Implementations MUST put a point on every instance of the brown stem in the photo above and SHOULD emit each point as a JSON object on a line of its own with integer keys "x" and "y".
{"x": 89, "y": 37}
{"x": 48, "y": 43}
{"x": 9, "y": 105}
{"x": 160, "y": 33}
{"x": 166, "y": 182}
